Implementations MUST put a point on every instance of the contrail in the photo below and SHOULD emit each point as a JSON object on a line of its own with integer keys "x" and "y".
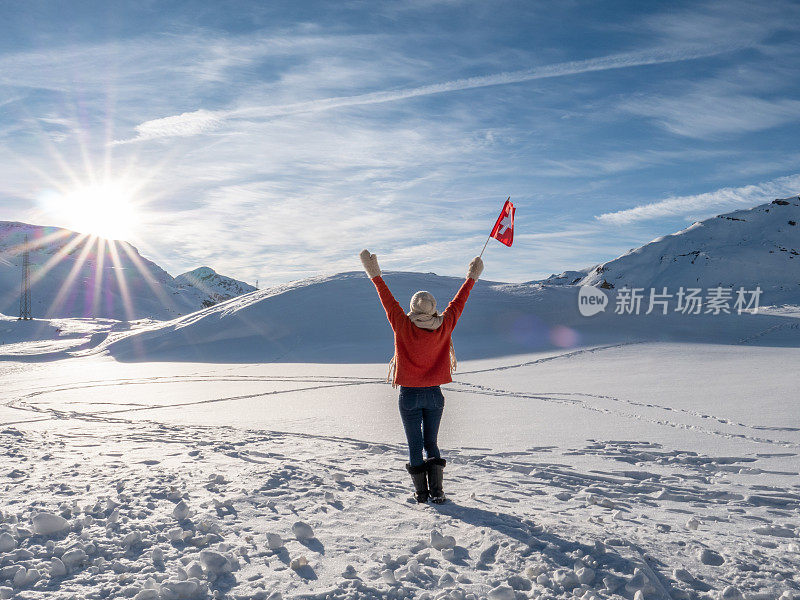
{"x": 203, "y": 121}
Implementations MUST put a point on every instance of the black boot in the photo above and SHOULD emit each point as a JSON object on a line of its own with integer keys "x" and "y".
{"x": 435, "y": 478}
{"x": 418, "y": 476}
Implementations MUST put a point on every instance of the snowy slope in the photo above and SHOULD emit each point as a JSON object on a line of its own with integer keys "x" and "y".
{"x": 758, "y": 246}
{"x": 336, "y": 318}
{"x": 339, "y": 319}
{"x": 76, "y": 276}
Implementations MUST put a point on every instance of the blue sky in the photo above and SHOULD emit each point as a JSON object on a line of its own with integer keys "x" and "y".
{"x": 276, "y": 140}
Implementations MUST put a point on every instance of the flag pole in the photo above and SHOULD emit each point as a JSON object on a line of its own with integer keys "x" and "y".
{"x": 484, "y": 246}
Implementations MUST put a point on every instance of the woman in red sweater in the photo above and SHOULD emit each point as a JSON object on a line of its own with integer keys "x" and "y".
{"x": 423, "y": 360}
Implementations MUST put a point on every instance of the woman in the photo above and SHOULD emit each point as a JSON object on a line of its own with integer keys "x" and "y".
{"x": 423, "y": 360}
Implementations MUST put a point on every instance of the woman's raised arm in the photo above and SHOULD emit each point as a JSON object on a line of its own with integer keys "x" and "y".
{"x": 456, "y": 306}
{"x": 394, "y": 311}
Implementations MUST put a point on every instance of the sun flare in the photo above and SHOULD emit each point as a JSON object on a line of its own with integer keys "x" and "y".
{"x": 105, "y": 210}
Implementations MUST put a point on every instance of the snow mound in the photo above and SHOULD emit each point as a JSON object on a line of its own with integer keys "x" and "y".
{"x": 339, "y": 319}
{"x": 45, "y": 523}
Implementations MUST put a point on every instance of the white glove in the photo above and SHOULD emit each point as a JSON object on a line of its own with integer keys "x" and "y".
{"x": 475, "y": 268}
{"x": 370, "y": 262}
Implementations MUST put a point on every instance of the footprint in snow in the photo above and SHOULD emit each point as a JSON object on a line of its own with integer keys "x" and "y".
{"x": 487, "y": 557}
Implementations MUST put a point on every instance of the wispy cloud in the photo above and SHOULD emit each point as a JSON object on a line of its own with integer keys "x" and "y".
{"x": 757, "y": 92}
{"x": 619, "y": 162}
{"x": 702, "y": 115}
{"x": 702, "y": 204}
{"x": 202, "y": 121}
{"x": 275, "y": 177}
{"x": 701, "y": 21}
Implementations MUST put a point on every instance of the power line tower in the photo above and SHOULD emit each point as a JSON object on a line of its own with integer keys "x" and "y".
{"x": 25, "y": 291}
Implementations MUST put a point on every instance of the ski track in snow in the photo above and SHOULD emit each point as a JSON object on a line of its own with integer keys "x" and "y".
{"x": 23, "y": 402}
{"x": 573, "y": 398}
{"x": 570, "y": 354}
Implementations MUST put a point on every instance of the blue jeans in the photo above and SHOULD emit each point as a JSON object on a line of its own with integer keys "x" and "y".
{"x": 421, "y": 410}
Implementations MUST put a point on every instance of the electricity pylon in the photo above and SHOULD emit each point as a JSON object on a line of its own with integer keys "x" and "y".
{"x": 25, "y": 292}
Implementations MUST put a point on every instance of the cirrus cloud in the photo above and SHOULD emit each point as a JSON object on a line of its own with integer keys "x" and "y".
{"x": 730, "y": 197}
{"x": 203, "y": 121}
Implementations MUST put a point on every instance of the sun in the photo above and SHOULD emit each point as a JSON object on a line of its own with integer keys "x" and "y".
{"x": 106, "y": 210}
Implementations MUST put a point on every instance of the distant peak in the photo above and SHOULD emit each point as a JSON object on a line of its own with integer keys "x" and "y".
{"x": 201, "y": 272}
{"x": 203, "y": 269}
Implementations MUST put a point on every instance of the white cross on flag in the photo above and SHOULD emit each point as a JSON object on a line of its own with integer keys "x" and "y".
{"x": 503, "y": 230}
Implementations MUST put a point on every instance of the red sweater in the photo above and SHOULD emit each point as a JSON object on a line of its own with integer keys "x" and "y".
{"x": 423, "y": 356}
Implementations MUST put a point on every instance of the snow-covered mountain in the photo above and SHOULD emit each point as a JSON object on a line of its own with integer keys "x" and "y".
{"x": 209, "y": 287}
{"x": 73, "y": 275}
{"x": 753, "y": 247}
{"x": 339, "y": 319}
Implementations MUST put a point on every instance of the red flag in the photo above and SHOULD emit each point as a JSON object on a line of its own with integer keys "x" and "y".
{"x": 503, "y": 230}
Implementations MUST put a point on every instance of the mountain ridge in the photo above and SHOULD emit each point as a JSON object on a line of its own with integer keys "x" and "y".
{"x": 758, "y": 246}
{"x": 75, "y": 275}
{"x": 338, "y": 318}
{"x": 210, "y": 286}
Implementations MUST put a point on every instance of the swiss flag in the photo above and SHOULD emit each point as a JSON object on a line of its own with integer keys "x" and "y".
{"x": 503, "y": 230}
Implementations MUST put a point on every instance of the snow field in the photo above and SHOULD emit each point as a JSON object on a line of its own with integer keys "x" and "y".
{"x": 639, "y": 471}
{"x": 145, "y": 510}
